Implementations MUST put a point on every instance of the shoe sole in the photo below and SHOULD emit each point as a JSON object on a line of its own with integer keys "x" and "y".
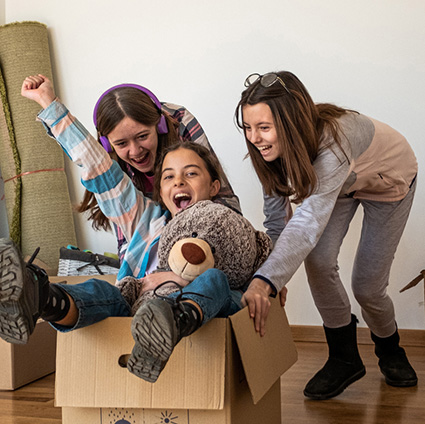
{"x": 154, "y": 332}
{"x": 339, "y": 390}
{"x": 401, "y": 383}
{"x": 14, "y": 324}
{"x": 408, "y": 382}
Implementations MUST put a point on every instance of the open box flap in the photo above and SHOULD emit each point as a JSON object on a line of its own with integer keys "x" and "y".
{"x": 266, "y": 358}
{"x": 415, "y": 281}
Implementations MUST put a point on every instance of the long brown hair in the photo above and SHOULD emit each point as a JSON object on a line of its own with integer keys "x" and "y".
{"x": 300, "y": 125}
{"x": 210, "y": 160}
{"x": 112, "y": 109}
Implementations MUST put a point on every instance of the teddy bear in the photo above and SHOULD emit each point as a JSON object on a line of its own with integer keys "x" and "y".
{"x": 204, "y": 235}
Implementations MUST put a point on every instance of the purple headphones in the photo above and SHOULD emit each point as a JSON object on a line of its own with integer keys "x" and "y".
{"x": 162, "y": 124}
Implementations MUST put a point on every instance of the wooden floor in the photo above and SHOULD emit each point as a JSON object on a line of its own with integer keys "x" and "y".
{"x": 31, "y": 404}
{"x": 368, "y": 401}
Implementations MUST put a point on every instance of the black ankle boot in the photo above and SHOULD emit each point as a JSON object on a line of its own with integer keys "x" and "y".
{"x": 23, "y": 293}
{"x": 343, "y": 367}
{"x": 157, "y": 327}
{"x": 393, "y": 361}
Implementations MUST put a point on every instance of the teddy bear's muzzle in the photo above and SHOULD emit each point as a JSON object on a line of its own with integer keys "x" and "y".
{"x": 190, "y": 257}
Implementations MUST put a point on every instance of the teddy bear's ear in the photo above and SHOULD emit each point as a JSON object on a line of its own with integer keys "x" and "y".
{"x": 264, "y": 247}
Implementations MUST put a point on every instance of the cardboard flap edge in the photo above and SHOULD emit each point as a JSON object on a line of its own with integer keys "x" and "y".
{"x": 264, "y": 359}
{"x": 414, "y": 282}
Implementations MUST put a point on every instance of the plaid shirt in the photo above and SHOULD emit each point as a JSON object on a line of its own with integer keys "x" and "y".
{"x": 189, "y": 130}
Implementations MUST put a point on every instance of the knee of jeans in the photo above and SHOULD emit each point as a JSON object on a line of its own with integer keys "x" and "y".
{"x": 214, "y": 272}
{"x": 216, "y": 277}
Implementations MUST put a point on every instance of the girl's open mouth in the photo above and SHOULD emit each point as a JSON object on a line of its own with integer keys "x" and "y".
{"x": 264, "y": 149}
{"x": 143, "y": 160}
{"x": 182, "y": 200}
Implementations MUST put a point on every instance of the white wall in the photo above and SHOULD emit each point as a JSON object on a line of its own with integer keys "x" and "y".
{"x": 364, "y": 55}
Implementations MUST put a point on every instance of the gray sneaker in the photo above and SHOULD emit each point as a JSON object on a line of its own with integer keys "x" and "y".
{"x": 23, "y": 289}
{"x": 157, "y": 327}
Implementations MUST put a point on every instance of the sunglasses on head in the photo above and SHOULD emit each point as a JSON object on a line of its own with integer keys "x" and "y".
{"x": 266, "y": 80}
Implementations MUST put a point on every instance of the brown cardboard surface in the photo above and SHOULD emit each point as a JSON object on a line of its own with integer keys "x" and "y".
{"x": 6, "y": 365}
{"x": 257, "y": 352}
{"x": 88, "y": 373}
{"x": 268, "y": 411}
{"x": 22, "y": 364}
{"x": 240, "y": 407}
{"x": 144, "y": 416}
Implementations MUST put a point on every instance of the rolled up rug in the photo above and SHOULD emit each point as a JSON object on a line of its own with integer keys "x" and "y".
{"x": 27, "y": 155}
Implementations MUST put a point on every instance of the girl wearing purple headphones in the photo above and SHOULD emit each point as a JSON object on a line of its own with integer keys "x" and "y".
{"x": 134, "y": 127}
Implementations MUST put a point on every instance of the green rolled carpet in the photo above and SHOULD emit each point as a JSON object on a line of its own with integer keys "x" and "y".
{"x": 32, "y": 164}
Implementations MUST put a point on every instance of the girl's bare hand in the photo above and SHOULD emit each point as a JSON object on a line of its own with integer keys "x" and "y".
{"x": 152, "y": 281}
{"x": 38, "y": 88}
{"x": 257, "y": 299}
{"x": 283, "y": 295}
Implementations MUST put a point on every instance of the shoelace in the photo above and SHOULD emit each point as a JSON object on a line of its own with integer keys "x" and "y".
{"x": 39, "y": 272}
{"x": 33, "y": 256}
{"x": 184, "y": 318}
{"x": 177, "y": 302}
{"x": 179, "y": 297}
{"x": 39, "y": 278}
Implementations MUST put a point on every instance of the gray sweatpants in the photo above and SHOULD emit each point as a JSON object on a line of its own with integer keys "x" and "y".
{"x": 382, "y": 227}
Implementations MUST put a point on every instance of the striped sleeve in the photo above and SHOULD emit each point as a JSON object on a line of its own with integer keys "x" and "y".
{"x": 116, "y": 195}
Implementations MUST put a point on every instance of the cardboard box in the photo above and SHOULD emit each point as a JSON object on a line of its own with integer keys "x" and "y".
{"x": 223, "y": 373}
{"x": 22, "y": 364}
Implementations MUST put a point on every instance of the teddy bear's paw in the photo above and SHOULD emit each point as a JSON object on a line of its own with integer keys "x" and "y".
{"x": 130, "y": 288}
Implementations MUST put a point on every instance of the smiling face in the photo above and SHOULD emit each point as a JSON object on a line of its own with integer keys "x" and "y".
{"x": 185, "y": 180}
{"x": 135, "y": 143}
{"x": 260, "y": 130}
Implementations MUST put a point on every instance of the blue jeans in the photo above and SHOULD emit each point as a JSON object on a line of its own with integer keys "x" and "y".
{"x": 97, "y": 299}
{"x": 220, "y": 302}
